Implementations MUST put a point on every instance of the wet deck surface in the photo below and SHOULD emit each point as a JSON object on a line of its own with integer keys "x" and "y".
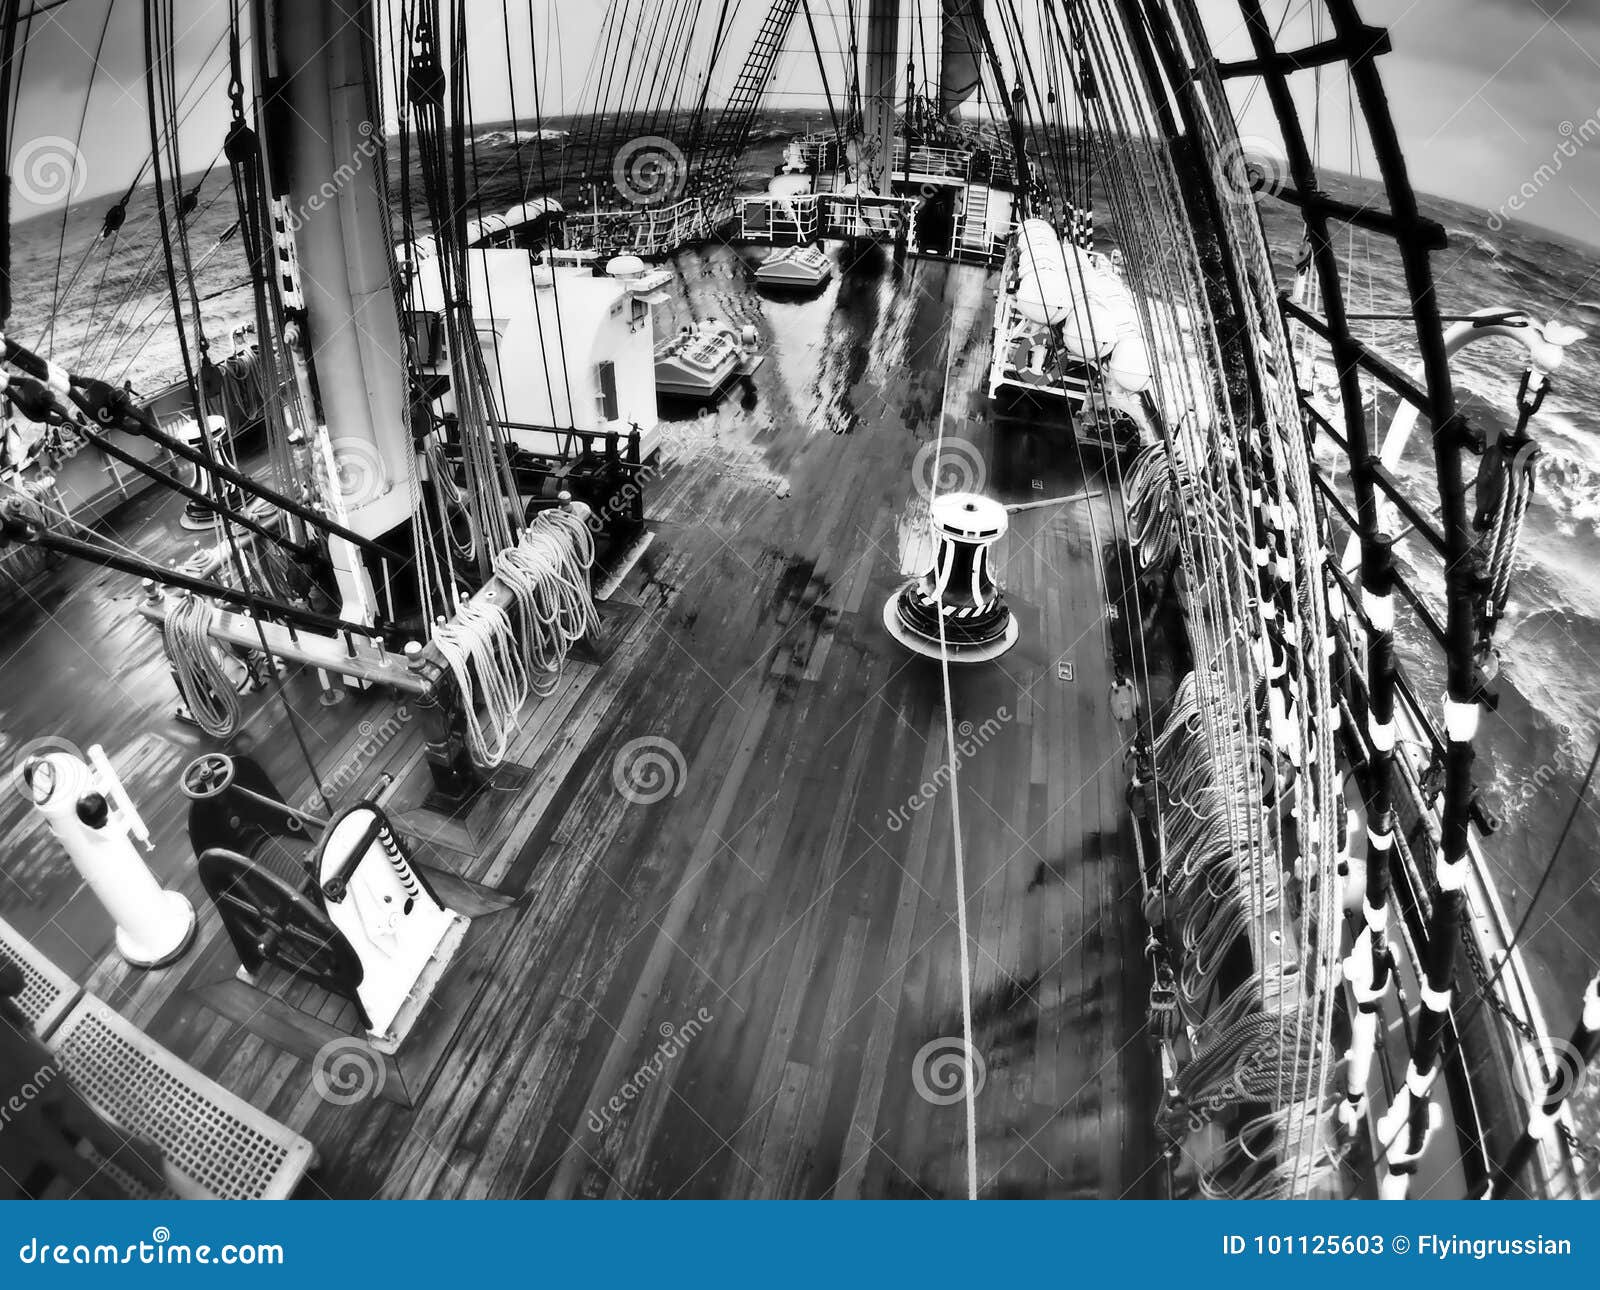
{"x": 745, "y": 987}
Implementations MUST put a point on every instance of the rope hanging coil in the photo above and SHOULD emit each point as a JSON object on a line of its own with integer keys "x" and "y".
{"x": 548, "y": 573}
{"x": 500, "y": 657}
{"x": 481, "y": 650}
{"x": 208, "y": 692}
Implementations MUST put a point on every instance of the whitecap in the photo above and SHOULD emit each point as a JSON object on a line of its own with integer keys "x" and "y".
{"x": 1478, "y": 240}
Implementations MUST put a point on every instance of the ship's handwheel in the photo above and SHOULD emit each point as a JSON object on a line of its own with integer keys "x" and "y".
{"x": 207, "y": 776}
{"x": 270, "y": 920}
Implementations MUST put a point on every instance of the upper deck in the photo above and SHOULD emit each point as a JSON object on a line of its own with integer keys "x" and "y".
{"x": 736, "y": 988}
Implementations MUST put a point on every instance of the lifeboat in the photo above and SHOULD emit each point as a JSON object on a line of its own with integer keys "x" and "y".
{"x": 700, "y": 360}
{"x": 1124, "y": 360}
{"x": 800, "y": 268}
{"x": 1069, "y": 319}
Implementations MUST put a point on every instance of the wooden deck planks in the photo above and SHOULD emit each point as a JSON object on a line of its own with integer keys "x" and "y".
{"x": 769, "y": 890}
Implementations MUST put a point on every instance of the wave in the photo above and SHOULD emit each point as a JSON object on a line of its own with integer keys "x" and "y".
{"x": 1325, "y": 384}
{"x": 1569, "y": 486}
{"x": 1478, "y": 240}
{"x": 518, "y": 138}
{"x": 1537, "y": 652}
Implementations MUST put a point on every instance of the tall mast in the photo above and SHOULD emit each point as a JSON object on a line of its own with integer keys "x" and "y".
{"x": 322, "y": 133}
{"x": 879, "y": 97}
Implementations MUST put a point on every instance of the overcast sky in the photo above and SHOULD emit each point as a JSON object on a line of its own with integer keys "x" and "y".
{"x": 1485, "y": 91}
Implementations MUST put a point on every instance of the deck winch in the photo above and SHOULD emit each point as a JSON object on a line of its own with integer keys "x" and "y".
{"x": 384, "y": 907}
{"x": 358, "y": 916}
{"x": 234, "y": 804}
{"x": 960, "y": 587}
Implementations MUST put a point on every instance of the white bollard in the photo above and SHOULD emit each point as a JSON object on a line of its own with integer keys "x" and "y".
{"x": 91, "y": 817}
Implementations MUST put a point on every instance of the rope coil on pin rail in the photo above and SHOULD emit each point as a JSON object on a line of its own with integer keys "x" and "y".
{"x": 548, "y": 573}
{"x": 1247, "y": 1053}
{"x": 498, "y": 656}
{"x": 208, "y": 692}
{"x": 1224, "y": 414}
{"x": 479, "y": 643}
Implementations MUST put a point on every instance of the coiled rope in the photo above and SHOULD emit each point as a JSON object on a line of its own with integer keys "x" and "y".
{"x": 1154, "y": 488}
{"x": 548, "y": 573}
{"x": 208, "y": 693}
{"x": 500, "y": 656}
{"x": 1276, "y": 1155}
{"x": 481, "y": 649}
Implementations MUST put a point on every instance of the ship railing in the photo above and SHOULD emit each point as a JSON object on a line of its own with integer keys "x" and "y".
{"x": 821, "y": 152}
{"x": 982, "y": 245}
{"x": 780, "y": 220}
{"x": 649, "y": 231}
{"x": 975, "y": 160}
{"x": 867, "y": 217}
{"x": 964, "y": 165}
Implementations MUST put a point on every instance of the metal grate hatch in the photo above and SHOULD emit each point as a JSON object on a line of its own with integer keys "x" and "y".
{"x": 224, "y": 1144}
{"x": 49, "y": 991}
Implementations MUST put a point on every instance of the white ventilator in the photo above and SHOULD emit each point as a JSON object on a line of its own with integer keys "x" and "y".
{"x": 91, "y": 815}
{"x": 401, "y": 933}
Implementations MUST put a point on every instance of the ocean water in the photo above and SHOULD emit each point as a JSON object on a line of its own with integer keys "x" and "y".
{"x": 101, "y": 306}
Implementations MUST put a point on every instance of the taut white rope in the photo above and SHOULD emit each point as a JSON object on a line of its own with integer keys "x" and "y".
{"x": 970, "y": 1093}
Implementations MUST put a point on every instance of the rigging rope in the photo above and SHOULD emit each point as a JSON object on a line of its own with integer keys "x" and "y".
{"x": 1255, "y": 629}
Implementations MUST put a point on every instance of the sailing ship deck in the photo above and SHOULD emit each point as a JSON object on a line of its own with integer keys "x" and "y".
{"x": 772, "y": 915}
